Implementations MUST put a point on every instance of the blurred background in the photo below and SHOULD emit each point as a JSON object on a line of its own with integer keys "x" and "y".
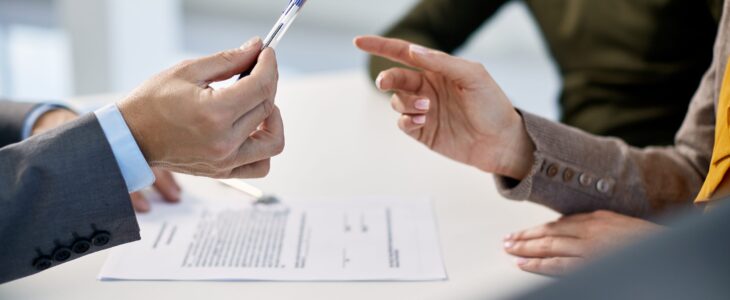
{"x": 51, "y": 50}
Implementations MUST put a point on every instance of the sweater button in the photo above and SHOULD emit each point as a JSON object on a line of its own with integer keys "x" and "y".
{"x": 552, "y": 170}
{"x": 568, "y": 174}
{"x": 585, "y": 179}
{"x": 605, "y": 185}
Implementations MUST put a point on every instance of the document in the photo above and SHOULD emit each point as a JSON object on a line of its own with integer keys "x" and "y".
{"x": 350, "y": 239}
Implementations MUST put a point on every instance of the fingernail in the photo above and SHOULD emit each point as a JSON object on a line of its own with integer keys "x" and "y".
{"x": 508, "y": 237}
{"x": 378, "y": 81}
{"x": 250, "y": 43}
{"x": 419, "y": 120}
{"x": 420, "y": 50}
{"x": 521, "y": 261}
{"x": 423, "y": 104}
{"x": 508, "y": 245}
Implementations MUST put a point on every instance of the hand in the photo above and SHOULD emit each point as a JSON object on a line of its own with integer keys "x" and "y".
{"x": 558, "y": 247}
{"x": 165, "y": 183}
{"x": 454, "y": 107}
{"x": 51, "y": 120}
{"x": 184, "y": 125}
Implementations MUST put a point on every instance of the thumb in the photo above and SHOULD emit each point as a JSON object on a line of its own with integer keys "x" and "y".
{"x": 455, "y": 68}
{"x": 225, "y": 64}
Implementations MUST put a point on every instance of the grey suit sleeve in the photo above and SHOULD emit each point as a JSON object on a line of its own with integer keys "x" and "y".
{"x": 62, "y": 196}
{"x": 12, "y": 119}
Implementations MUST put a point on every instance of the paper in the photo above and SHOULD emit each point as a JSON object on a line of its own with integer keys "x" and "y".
{"x": 374, "y": 238}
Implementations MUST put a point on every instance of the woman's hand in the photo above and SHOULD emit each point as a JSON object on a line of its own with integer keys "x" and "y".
{"x": 558, "y": 247}
{"x": 454, "y": 107}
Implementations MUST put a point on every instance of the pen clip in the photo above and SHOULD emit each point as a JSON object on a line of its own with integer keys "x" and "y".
{"x": 280, "y": 28}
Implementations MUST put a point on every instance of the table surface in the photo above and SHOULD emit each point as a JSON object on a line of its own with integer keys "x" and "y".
{"x": 342, "y": 140}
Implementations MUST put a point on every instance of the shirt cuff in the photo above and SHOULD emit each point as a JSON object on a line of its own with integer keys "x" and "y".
{"x": 33, "y": 117}
{"x": 134, "y": 167}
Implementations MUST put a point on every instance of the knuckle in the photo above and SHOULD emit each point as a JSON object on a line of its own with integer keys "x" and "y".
{"x": 394, "y": 102}
{"x": 279, "y": 145}
{"x": 208, "y": 118}
{"x": 265, "y": 88}
{"x": 220, "y": 151}
{"x": 263, "y": 169}
{"x": 226, "y": 56}
{"x": 269, "y": 107}
{"x": 546, "y": 229}
{"x": 184, "y": 67}
{"x": 546, "y": 244}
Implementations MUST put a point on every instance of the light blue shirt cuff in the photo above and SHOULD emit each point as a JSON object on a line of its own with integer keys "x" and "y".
{"x": 134, "y": 167}
{"x": 33, "y": 116}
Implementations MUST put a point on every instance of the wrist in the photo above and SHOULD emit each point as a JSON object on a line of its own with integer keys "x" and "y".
{"x": 136, "y": 126}
{"x": 518, "y": 151}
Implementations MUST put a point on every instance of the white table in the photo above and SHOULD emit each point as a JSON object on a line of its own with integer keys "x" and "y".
{"x": 342, "y": 140}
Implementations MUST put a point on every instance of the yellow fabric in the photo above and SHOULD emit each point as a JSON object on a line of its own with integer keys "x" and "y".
{"x": 721, "y": 152}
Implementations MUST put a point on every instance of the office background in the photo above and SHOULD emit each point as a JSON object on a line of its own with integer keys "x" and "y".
{"x": 56, "y": 49}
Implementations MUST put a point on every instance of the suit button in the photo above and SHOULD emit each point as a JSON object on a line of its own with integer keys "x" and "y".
{"x": 585, "y": 179}
{"x": 42, "y": 263}
{"x": 100, "y": 238}
{"x": 605, "y": 185}
{"x": 61, "y": 254}
{"x": 80, "y": 246}
{"x": 552, "y": 170}
{"x": 568, "y": 174}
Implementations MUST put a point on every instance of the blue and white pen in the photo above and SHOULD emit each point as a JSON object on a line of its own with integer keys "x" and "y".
{"x": 280, "y": 28}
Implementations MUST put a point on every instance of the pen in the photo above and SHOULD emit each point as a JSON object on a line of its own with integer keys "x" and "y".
{"x": 280, "y": 28}
{"x": 250, "y": 190}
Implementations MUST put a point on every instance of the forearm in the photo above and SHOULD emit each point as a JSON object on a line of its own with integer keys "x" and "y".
{"x": 439, "y": 24}
{"x": 57, "y": 191}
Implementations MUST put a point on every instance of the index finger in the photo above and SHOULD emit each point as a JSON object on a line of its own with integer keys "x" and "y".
{"x": 251, "y": 90}
{"x": 457, "y": 69}
{"x": 557, "y": 228}
{"x": 394, "y": 49}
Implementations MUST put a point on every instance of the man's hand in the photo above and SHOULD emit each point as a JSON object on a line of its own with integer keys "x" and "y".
{"x": 165, "y": 183}
{"x": 454, "y": 107}
{"x": 52, "y": 119}
{"x": 184, "y": 125}
{"x": 558, "y": 247}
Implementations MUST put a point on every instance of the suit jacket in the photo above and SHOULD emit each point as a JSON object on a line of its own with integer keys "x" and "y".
{"x": 578, "y": 172}
{"x": 628, "y": 68}
{"x": 62, "y": 195}
{"x": 688, "y": 262}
